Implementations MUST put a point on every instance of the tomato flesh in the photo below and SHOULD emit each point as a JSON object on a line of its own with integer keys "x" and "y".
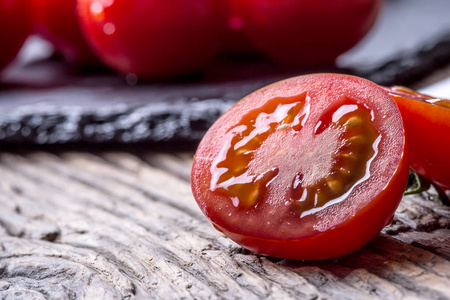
{"x": 427, "y": 123}
{"x": 301, "y": 164}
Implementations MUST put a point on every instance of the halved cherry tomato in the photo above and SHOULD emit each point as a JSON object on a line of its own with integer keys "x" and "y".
{"x": 306, "y": 32}
{"x": 15, "y": 26}
{"x": 311, "y": 167}
{"x": 57, "y": 21}
{"x": 427, "y": 124}
{"x": 154, "y": 39}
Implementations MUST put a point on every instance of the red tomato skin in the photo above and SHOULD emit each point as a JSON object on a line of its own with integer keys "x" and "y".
{"x": 16, "y": 25}
{"x": 343, "y": 239}
{"x": 57, "y": 22}
{"x": 344, "y": 229}
{"x": 307, "y": 32}
{"x": 154, "y": 39}
{"x": 427, "y": 127}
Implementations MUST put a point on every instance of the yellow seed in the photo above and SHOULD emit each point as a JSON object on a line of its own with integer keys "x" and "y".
{"x": 350, "y": 155}
{"x": 241, "y": 151}
{"x": 253, "y": 197}
{"x": 283, "y": 127}
{"x": 344, "y": 171}
{"x": 289, "y": 118}
{"x": 356, "y": 139}
{"x": 256, "y": 140}
{"x": 254, "y": 143}
{"x": 353, "y": 122}
{"x": 239, "y": 168}
{"x": 334, "y": 185}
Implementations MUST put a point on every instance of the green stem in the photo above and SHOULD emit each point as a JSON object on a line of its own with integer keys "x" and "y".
{"x": 418, "y": 184}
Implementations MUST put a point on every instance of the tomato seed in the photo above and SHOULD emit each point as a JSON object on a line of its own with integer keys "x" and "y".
{"x": 356, "y": 140}
{"x": 283, "y": 127}
{"x": 353, "y": 122}
{"x": 344, "y": 171}
{"x": 335, "y": 186}
{"x": 349, "y": 155}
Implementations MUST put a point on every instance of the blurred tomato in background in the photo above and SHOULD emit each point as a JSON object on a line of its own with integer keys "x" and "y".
{"x": 15, "y": 26}
{"x": 163, "y": 40}
{"x": 154, "y": 39}
{"x": 235, "y": 43}
{"x": 57, "y": 22}
{"x": 306, "y": 32}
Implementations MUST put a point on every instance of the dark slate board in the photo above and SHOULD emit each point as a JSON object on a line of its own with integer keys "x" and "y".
{"x": 42, "y": 101}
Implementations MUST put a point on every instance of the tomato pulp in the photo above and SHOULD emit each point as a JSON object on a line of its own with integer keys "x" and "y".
{"x": 312, "y": 167}
{"x": 427, "y": 123}
{"x": 15, "y": 24}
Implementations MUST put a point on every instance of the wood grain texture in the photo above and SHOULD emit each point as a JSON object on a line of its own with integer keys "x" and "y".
{"x": 124, "y": 225}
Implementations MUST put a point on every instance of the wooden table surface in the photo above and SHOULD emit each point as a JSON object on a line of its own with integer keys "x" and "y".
{"x": 122, "y": 224}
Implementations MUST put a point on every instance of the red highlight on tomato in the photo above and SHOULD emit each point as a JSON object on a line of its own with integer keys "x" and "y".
{"x": 306, "y": 32}
{"x": 312, "y": 167}
{"x": 57, "y": 21}
{"x": 16, "y": 24}
{"x": 154, "y": 39}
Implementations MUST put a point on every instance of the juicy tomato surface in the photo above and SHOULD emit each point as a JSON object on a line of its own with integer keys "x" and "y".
{"x": 306, "y": 32}
{"x": 427, "y": 124}
{"x": 57, "y": 22}
{"x": 154, "y": 39}
{"x": 312, "y": 167}
{"x": 15, "y": 26}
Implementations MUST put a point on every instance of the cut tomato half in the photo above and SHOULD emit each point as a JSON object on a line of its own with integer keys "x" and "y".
{"x": 427, "y": 124}
{"x": 312, "y": 167}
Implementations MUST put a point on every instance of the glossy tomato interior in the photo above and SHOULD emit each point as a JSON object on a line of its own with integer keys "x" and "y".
{"x": 308, "y": 168}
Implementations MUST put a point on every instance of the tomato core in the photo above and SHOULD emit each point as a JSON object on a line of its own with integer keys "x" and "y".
{"x": 344, "y": 139}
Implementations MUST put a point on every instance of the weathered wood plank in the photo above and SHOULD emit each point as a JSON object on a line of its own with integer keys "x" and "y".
{"x": 117, "y": 224}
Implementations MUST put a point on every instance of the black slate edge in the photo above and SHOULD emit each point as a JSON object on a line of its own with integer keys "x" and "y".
{"x": 183, "y": 121}
{"x": 410, "y": 67}
{"x": 138, "y": 124}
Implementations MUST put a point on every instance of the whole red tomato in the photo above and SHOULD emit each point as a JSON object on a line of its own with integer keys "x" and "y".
{"x": 427, "y": 124}
{"x": 154, "y": 39}
{"x": 311, "y": 167}
{"x": 15, "y": 26}
{"x": 235, "y": 42}
{"x": 306, "y": 32}
{"x": 56, "y": 21}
